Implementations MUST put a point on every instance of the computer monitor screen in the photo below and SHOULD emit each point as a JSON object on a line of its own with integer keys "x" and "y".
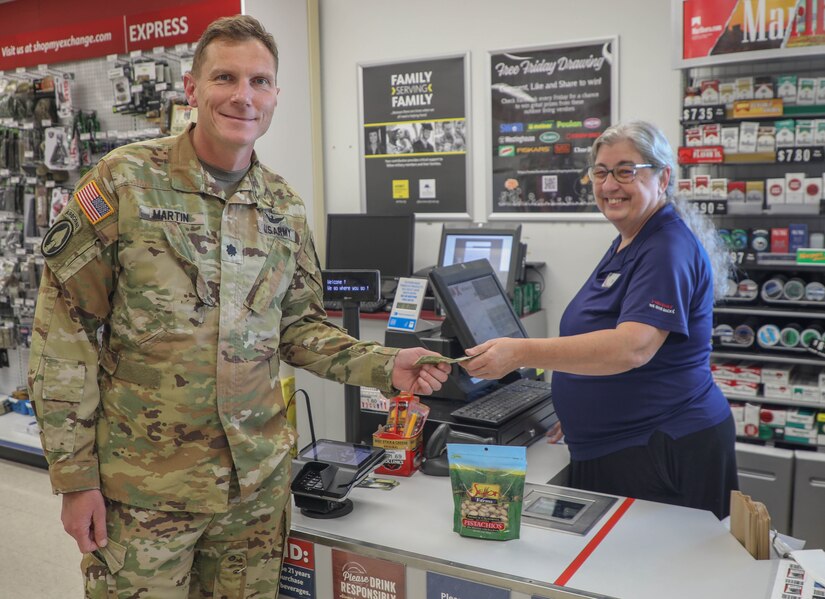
{"x": 501, "y": 247}
{"x": 358, "y": 241}
{"x": 475, "y": 303}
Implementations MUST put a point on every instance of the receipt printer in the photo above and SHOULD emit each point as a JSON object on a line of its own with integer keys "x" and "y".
{"x": 324, "y": 472}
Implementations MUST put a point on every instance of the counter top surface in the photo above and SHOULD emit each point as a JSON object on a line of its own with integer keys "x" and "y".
{"x": 653, "y": 550}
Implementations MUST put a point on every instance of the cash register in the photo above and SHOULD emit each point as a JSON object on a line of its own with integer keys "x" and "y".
{"x": 515, "y": 410}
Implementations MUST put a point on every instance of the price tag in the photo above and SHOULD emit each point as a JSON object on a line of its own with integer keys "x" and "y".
{"x": 711, "y": 207}
{"x": 136, "y": 53}
{"x": 28, "y": 154}
{"x": 116, "y": 73}
{"x": 703, "y": 114}
{"x": 136, "y": 88}
{"x": 85, "y": 136}
{"x": 160, "y": 87}
{"x": 112, "y": 134}
{"x": 42, "y": 68}
{"x": 799, "y": 155}
{"x": 20, "y": 251}
{"x": 20, "y": 70}
{"x": 31, "y": 180}
{"x": 178, "y": 85}
{"x": 181, "y": 48}
{"x": 49, "y": 184}
{"x": 4, "y": 172}
{"x": 157, "y": 50}
{"x": 18, "y": 301}
{"x": 14, "y": 180}
{"x": 29, "y": 303}
{"x": 46, "y": 123}
{"x": 111, "y": 58}
{"x": 28, "y": 125}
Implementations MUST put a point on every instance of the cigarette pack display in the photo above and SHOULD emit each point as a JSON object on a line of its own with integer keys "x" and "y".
{"x": 710, "y": 92}
{"x": 806, "y": 91}
{"x": 744, "y": 88}
{"x": 804, "y": 132}
{"x": 747, "y": 136}
{"x": 755, "y": 192}
{"x": 773, "y": 416}
{"x": 736, "y": 191}
{"x": 785, "y": 133}
{"x": 786, "y": 88}
{"x": 719, "y": 188}
{"x": 820, "y": 90}
{"x": 794, "y": 193}
{"x": 797, "y": 236}
{"x": 730, "y": 139}
{"x": 777, "y": 390}
{"x": 803, "y": 418}
{"x": 763, "y": 88}
{"x": 693, "y": 96}
{"x": 779, "y": 240}
{"x": 701, "y": 186}
{"x": 684, "y": 189}
{"x": 766, "y": 138}
{"x": 746, "y": 372}
{"x": 819, "y": 132}
{"x": 775, "y": 191}
{"x": 820, "y": 428}
{"x": 736, "y": 387}
{"x": 777, "y": 374}
{"x": 693, "y": 137}
{"x": 812, "y": 188}
{"x": 727, "y": 93}
{"x": 710, "y": 134}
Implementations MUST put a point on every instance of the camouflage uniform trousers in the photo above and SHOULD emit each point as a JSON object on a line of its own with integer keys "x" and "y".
{"x": 177, "y": 555}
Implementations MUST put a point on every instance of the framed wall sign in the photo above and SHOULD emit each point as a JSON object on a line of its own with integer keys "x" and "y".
{"x": 415, "y": 137}
{"x": 548, "y": 105}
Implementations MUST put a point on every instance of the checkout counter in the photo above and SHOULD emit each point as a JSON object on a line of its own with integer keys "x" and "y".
{"x": 401, "y": 542}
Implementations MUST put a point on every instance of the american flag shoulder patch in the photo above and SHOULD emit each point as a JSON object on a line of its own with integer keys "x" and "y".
{"x": 93, "y": 203}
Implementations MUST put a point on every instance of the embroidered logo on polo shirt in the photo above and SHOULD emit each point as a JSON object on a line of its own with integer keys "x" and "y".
{"x": 662, "y": 307}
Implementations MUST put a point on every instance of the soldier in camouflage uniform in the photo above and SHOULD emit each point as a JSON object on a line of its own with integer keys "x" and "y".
{"x": 178, "y": 277}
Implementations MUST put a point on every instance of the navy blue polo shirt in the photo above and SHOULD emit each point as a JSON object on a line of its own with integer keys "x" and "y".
{"x": 663, "y": 279}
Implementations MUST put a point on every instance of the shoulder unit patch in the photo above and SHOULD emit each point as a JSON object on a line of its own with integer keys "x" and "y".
{"x": 56, "y": 238}
{"x": 93, "y": 203}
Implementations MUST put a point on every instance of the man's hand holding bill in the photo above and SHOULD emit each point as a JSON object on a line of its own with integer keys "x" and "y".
{"x": 408, "y": 374}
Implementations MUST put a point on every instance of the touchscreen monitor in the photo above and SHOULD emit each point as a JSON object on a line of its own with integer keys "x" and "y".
{"x": 475, "y": 303}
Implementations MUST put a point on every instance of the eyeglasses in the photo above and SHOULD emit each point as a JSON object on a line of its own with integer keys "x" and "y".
{"x": 624, "y": 173}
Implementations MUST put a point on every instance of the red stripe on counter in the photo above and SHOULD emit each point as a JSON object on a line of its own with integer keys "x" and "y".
{"x": 594, "y": 542}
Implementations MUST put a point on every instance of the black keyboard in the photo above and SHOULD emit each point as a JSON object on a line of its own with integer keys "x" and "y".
{"x": 377, "y": 306}
{"x": 504, "y": 403}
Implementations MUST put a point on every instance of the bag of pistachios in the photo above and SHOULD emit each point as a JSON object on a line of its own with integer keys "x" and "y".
{"x": 488, "y": 489}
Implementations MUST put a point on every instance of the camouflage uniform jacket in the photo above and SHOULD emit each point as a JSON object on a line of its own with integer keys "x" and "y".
{"x": 164, "y": 311}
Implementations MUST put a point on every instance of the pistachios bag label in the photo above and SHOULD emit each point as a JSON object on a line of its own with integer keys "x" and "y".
{"x": 488, "y": 489}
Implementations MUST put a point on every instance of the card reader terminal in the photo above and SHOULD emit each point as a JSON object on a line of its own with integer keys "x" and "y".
{"x": 324, "y": 472}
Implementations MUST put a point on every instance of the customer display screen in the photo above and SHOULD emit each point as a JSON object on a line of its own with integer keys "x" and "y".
{"x": 487, "y": 312}
{"x": 338, "y": 453}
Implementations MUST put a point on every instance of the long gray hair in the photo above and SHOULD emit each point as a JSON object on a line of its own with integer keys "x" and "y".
{"x": 652, "y": 144}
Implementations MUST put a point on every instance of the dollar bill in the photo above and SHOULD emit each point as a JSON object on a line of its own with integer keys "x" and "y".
{"x": 439, "y": 359}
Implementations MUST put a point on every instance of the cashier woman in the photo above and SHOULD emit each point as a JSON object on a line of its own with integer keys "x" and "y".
{"x": 631, "y": 375}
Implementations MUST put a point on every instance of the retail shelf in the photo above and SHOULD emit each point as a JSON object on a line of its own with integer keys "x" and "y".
{"x": 765, "y": 311}
{"x": 16, "y": 443}
{"x": 781, "y": 443}
{"x": 773, "y": 400}
{"x": 765, "y": 357}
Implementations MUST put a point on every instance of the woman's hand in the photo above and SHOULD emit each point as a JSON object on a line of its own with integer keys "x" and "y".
{"x": 494, "y": 358}
{"x": 554, "y": 433}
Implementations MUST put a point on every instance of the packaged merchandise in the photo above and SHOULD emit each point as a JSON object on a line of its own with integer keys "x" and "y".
{"x": 794, "y": 192}
{"x": 777, "y": 374}
{"x": 727, "y": 92}
{"x": 820, "y": 91}
{"x": 806, "y": 91}
{"x": 779, "y": 240}
{"x": 804, "y": 135}
{"x": 773, "y": 416}
{"x": 701, "y": 186}
{"x": 766, "y": 138}
{"x": 774, "y": 191}
{"x": 693, "y": 96}
{"x": 684, "y": 189}
{"x": 710, "y": 134}
{"x": 812, "y": 188}
{"x": 719, "y": 188}
{"x": 693, "y": 137}
{"x": 820, "y": 428}
{"x": 755, "y": 192}
{"x": 710, "y": 92}
{"x": 730, "y": 139}
{"x": 785, "y": 133}
{"x": 786, "y": 88}
{"x": 819, "y": 132}
{"x": 744, "y": 88}
{"x": 736, "y": 191}
{"x": 488, "y": 489}
{"x": 739, "y": 388}
{"x": 763, "y": 88}
{"x": 746, "y": 372}
{"x": 747, "y": 136}
{"x": 777, "y": 390}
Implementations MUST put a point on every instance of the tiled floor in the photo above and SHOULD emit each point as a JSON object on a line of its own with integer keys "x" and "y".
{"x": 38, "y": 560}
